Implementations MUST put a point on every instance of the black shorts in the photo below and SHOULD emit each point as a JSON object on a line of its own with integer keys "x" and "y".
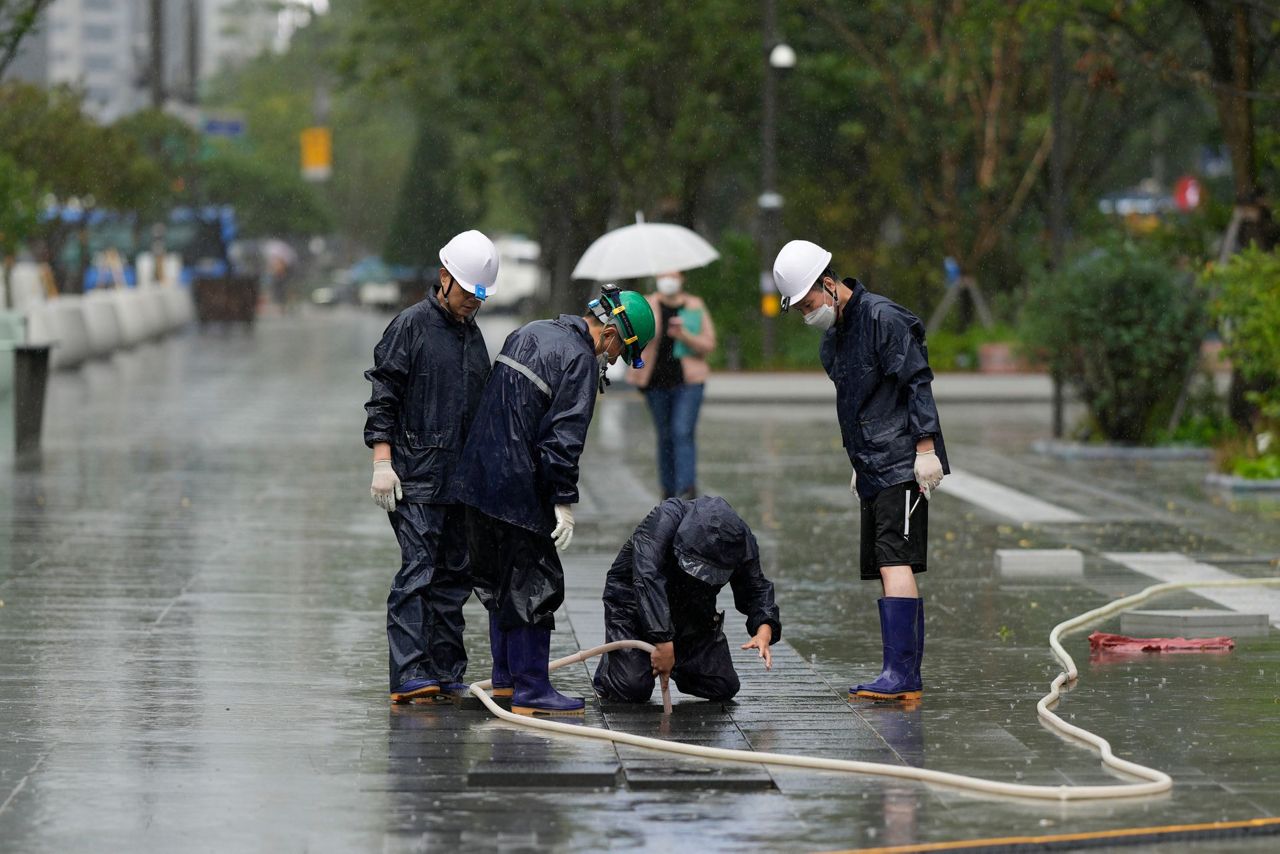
{"x": 889, "y": 536}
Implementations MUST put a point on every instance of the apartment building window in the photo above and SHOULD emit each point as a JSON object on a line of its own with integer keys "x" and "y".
{"x": 99, "y": 33}
{"x": 99, "y": 62}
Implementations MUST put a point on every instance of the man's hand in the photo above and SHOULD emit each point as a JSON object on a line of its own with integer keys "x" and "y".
{"x": 928, "y": 472}
{"x": 761, "y": 641}
{"x": 385, "y": 488}
{"x": 853, "y": 483}
{"x": 663, "y": 658}
{"x": 563, "y": 531}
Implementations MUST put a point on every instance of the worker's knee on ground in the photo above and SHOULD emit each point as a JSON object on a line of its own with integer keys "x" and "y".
{"x": 720, "y": 686}
{"x": 624, "y": 688}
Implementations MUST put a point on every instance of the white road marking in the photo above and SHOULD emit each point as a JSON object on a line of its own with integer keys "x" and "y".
{"x": 1174, "y": 566}
{"x": 1003, "y": 500}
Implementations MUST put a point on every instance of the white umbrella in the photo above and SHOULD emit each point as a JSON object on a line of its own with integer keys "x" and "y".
{"x": 644, "y": 249}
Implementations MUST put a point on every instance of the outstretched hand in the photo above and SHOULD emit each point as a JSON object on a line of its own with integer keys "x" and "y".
{"x": 760, "y": 643}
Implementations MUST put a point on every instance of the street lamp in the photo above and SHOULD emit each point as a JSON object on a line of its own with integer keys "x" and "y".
{"x": 780, "y": 57}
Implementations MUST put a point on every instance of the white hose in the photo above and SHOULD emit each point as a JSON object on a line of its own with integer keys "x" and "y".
{"x": 1156, "y": 782}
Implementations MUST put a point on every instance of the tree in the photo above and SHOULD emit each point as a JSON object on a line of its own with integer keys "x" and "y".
{"x": 278, "y": 95}
{"x": 1239, "y": 39}
{"x": 18, "y": 19}
{"x": 18, "y": 199}
{"x": 589, "y": 114}
{"x": 430, "y": 209}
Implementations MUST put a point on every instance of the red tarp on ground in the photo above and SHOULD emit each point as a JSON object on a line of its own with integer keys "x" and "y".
{"x": 1103, "y": 642}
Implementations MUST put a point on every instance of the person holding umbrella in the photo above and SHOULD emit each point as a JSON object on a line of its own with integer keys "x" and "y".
{"x": 874, "y": 351}
{"x": 673, "y": 379}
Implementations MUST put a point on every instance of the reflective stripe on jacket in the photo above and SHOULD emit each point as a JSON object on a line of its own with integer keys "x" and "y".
{"x": 521, "y": 456}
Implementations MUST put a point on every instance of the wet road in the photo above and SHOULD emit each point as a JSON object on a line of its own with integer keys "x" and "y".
{"x": 193, "y": 579}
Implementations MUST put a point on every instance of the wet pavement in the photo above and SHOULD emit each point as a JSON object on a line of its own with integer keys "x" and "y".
{"x": 193, "y": 581}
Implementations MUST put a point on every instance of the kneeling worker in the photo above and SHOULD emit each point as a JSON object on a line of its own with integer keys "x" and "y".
{"x": 662, "y": 589}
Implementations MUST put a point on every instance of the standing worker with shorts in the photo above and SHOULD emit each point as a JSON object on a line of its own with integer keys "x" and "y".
{"x": 874, "y": 351}
{"x": 428, "y": 372}
{"x": 518, "y": 476}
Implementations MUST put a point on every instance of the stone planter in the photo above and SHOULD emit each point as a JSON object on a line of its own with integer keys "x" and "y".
{"x": 1231, "y": 483}
{"x": 1080, "y": 451}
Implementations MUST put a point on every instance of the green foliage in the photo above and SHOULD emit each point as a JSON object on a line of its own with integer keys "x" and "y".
{"x": 1248, "y": 308}
{"x": 18, "y": 199}
{"x": 1122, "y": 325}
{"x": 430, "y": 209}
{"x": 1266, "y": 467}
{"x": 588, "y": 114}
{"x": 1205, "y": 421}
{"x": 270, "y": 199}
{"x": 958, "y": 351}
{"x": 71, "y": 155}
{"x": 279, "y": 95}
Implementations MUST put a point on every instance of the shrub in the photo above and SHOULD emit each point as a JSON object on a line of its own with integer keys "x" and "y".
{"x": 1247, "y": 306}
{"x": 1122, "y": 325}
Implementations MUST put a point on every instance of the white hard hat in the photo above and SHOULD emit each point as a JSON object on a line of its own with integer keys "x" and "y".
{"x": 797, "y": 267}
{"x": 472, "y": 260}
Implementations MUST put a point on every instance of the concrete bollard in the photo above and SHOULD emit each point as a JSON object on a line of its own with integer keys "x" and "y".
{"x": 104, "y": 327}
{"x": 129, "y": 317}
{"x": 69, "y": 331}
{"x": 154, "y": 320}
{"x": 178, "y": 306}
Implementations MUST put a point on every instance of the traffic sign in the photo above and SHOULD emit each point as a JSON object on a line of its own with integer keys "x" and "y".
{"x": 1186, "y": 193}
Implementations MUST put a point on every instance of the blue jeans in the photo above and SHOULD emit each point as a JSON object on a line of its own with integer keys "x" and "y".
{"x": 675, "y": 416}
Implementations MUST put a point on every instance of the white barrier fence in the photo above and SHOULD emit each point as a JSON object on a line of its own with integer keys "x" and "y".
{"x": 102, "y": 321}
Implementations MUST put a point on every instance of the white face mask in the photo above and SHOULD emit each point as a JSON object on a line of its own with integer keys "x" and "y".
{"x": 822, "y": 317}
{"x": 669, "y": 285}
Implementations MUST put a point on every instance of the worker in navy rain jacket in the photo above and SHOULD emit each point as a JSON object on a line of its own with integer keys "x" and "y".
{"x": 519, "y": 475}
{"x": 428, "y": 372}
{"x": 662, "y": 589}
{"x": 874, "y": 351}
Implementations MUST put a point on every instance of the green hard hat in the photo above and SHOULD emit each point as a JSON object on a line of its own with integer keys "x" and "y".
{"x": 642, "y": 324}
{"x": 629, "y": 313}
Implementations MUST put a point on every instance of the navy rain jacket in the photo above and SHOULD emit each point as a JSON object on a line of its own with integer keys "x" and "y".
{"x": 877, "y": 358}
{"x": 665, "y": 580}
{"x": 521, "y": 458}
{"x": 428, "y": 372}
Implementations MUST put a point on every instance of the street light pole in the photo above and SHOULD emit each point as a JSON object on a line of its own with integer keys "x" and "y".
{"x": 157, "y": 54}
{"x": 777, "y": 56}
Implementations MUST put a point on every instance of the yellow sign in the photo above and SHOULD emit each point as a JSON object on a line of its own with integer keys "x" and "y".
{"x": 317, "y": 154}
{"x": 770, "y": 305}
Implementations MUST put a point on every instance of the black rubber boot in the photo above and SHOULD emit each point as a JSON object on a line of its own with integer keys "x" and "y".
{"x": 902, "y": 634}
{"x": 528, "y": 651}
{"x": 500, "y": 674}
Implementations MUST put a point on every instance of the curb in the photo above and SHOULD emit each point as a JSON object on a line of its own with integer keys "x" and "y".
{"x": 1240, "y": 484}
{"x": 1078, "y": 451}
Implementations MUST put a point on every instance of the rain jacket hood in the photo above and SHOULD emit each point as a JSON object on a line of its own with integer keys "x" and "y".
{"x": 712, "y": 542}
{"x": 666, "y": 577}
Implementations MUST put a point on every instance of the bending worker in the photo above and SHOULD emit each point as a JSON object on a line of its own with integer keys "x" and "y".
{"x": 874, "y": 351}
{"x": 428, "y": 372}
{"x": 519, "y": 475}
{"x": 662, "y": 589}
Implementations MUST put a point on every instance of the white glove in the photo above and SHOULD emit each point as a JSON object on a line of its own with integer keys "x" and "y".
{"x": 853, "y": 482}
{"x": 563, "y": 532}
{"x": 386, "y": 489}
{"x": 928, "y": 472}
